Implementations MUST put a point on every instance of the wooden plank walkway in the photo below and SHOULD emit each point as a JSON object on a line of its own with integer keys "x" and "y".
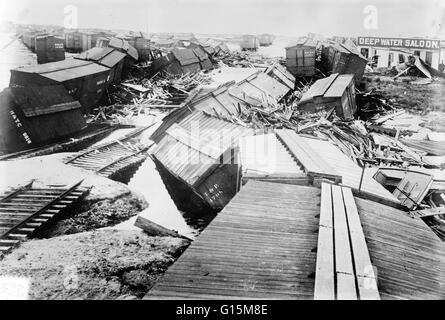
{"x": 261, "y": 246}
{"x": 344, "y": 269}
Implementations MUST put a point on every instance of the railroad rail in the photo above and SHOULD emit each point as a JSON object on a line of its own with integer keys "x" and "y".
{"x": 66, "y": 145}
{"x": 108, "y": 158}
{"x": 26, "y": 209}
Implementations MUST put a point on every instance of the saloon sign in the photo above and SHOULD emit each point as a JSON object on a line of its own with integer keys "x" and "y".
{"x": 399, "y": 43}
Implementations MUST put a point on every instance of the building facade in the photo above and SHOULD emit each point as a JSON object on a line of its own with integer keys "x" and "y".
{"x": 389, "y": 52}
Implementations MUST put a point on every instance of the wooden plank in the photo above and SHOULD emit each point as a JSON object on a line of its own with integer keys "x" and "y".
{"x": 344, "y": 269}
{"x": 324, "y": 273}
{"x": 364, "y": 271}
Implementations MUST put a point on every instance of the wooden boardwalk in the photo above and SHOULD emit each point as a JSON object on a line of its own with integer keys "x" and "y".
{"x": 261, "y": 246}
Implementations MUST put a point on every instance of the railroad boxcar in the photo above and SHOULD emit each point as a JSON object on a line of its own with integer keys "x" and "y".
{"x": 249, "y": 42}
{"x": 265, "y": 39}
{"x": 337, "y": 58}
{"x": 108, "y": 57}
{"x": 300, "y": 58}
{"x": 73, "y": 41}
{"x": 32, "y": 116}
{"x": 50, "y": 49}
{"x": 85, "y": 81}
{"x": 178, "y": 61}
{"x": 203, "y": 170}
{"x": 336, "y": 91}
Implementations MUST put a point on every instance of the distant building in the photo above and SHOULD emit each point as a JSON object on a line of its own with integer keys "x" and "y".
{"x": 388, "y": 52}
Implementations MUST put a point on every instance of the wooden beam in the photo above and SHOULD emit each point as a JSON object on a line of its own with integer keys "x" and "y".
{"x": 324, "y": 273}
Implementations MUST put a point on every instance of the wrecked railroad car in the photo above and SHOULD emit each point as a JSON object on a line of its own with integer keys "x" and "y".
{"x": 49, "y": 48}
{"x": 259, "y": 87}
{"x": 107, "y": 57}
{"x": 178, "y": 61}
{"x": 249, "y": 42}
{"x": 221, "y": 103}
{"x": 278, "y": 72}
{"x": 301, "y": 57}
{"x": 85, "y": 81}
{"x": 265, "y": 39}
{"x": 337, "y": 58}
{"x": 32, "y": 116}
{"x": 203, "y": 57}
{"x": 200, "y": 166}
{"x": 217, "y": 46}
{"x": 336, "y": 91}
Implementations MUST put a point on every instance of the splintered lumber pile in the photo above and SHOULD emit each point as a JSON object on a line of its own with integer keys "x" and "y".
{"x": 138, "y": 96}
{"x": 245, "y": 60}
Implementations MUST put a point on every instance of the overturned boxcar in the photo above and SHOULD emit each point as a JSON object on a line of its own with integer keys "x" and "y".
{"x": 33, "y": 116}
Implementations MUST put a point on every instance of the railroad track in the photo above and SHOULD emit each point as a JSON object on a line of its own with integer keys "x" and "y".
{"x": 24, "y": 210}
{"x": 106, "y": 159}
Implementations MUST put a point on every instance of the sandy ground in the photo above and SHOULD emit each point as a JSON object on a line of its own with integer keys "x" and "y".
{"x": 103, "y": 264}
{"x": 73, "y": 264}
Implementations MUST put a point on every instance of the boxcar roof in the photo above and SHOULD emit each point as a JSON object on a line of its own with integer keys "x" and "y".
{"x": 108, "y": 57}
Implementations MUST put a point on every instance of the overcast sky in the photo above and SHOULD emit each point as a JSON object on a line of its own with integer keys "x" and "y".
{"x": 284, "y": 17}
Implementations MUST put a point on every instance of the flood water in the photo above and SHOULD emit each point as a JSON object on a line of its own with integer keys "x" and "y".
{"x": 147, "y": 182}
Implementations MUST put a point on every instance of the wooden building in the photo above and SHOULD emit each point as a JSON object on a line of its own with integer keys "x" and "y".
{"x": 300, "y": 58}
{"x": 337, "y": 58}
{"x": 107, "y": 57}
{"x": 32, "y": 116}
{"x": 336, "y": 91}
{"x": 85, "y": 81}
{"x": 49, "y": 48}
{"x": 249, "y": 42}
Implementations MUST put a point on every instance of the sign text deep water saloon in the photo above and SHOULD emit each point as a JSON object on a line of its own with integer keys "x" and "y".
{"x": 399, "y": 42}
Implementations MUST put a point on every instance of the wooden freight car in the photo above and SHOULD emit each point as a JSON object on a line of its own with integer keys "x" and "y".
{"x": 32, "y": 116}
{"x": 336, "y": 91}
{"x": 73, "y": 41}
{"x": 203, "y": 57}
{"x": 337, "y": 58}
{"x": 201, "y": 172}
{"x": 265, "y": 39}
{"x": 107, "y": 57}
{"x": 178, "y": 61}
{"x": 50, "y": 49}
{"x": 85, "y": 81}
{"x": 249, "y": 42}
{"x": 300, "y": 58}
